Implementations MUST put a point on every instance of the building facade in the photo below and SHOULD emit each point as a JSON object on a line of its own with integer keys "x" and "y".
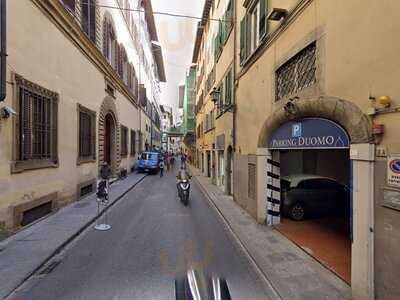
{"x": 214, "y": 56}
{"x": 75, "y": 91}
{"x": 301, "y": 67}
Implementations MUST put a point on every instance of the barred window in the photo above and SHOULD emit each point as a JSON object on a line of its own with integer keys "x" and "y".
{"x": 87, "y": 134}
{"x": 297, "y": 74}
{"x": 124, "y": 141}
{"x": 133, "y": 142}
{"x": 36, "y": 125}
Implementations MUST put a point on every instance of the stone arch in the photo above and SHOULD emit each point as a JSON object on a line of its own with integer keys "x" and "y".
{"x": 345, "y": 113}
{"x": 108, "y": 107}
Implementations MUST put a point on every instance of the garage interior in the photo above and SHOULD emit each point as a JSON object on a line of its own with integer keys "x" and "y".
{"x": 324, "y": 235}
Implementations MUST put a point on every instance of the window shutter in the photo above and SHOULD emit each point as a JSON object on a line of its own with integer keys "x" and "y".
{"x": 263, "y": 17}
{"x": 120, "y": 61}
{"x": 105, "y": 38}
{"x": 115, "y": 54}
{"x": 92, "y": 20}
{"x": 243, "y": 38}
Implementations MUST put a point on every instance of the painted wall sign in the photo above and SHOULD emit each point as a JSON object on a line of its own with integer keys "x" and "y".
{"x": 309, "y": 133}
{"x": 393, "y": 171}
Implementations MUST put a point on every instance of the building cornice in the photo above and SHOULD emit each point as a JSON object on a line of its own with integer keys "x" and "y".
{"x": 64, "y": 21}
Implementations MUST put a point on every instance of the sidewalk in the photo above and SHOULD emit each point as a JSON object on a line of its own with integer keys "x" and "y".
{"x": 291, "y": 271}
{"x": 26, "y": 251}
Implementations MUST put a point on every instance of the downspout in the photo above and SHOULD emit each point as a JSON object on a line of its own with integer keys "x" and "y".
{"x": 3, "y": 50}
{"x": 234, "y": 78}
{"x": 234, "y": 102}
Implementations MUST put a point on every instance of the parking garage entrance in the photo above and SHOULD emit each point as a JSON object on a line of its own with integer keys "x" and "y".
{"x": 309, "y": 190}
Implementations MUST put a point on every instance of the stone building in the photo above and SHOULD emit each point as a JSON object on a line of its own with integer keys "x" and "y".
{"x": 76, "y": 71}
{"x": 315, "y": 93}
{"x": 214, "y": 56}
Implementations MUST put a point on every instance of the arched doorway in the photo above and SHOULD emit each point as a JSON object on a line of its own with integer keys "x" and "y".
{"x": 359, "y": 156}
{"x": 109, "y": 136}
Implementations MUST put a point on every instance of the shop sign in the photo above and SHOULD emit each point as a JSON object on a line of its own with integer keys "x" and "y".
{"x": 393, "y": 171}
{"x": 309, "y": 133}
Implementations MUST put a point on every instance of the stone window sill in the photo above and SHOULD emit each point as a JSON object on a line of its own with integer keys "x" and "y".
{"x": 85, "y": 160}
{"x": 22, "y": 166}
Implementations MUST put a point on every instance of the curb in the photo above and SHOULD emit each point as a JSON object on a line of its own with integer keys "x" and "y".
{"x": 74, "y": 236}
{"x": 241, "y": 245}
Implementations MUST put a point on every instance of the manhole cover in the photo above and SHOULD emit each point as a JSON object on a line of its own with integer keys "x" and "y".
{"x": 80, "y": 205}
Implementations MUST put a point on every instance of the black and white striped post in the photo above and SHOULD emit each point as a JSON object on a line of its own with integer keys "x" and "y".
{"x": 273, "y": 192}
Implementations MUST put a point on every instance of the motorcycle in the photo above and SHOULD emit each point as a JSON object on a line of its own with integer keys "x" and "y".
{"x": 184, "y": 190}
{"x": 197, "y": 285}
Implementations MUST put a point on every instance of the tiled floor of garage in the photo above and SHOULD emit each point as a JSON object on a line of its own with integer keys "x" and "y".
{"x": 325, "y": 239}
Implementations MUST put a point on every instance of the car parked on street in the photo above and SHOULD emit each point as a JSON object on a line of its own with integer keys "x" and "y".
{"x": 306, "y": 196}
{"x": 149, "y": 162}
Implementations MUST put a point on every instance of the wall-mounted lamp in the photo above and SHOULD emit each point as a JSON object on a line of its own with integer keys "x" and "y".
{"x": 215, "y": 94}
{"x": 290, "y": 107}
{"x": 277, "y": 14}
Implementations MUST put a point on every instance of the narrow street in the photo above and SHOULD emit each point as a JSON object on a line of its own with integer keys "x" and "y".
{"x": 153, "y": 240}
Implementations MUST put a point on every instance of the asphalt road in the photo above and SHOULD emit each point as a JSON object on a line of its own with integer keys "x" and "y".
{"x": 153, "y": 240}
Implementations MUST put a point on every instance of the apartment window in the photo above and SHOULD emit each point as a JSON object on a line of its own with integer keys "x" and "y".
{"x": 253, "y": 28}
{"x": 87, "y": 135}
{"x": 124, "y": 141}
{"x": 133, "y": 142}
{"x": 70, "y": 4}
{"x": 229, "y": 88}
{"x": 36, "y": 124}
{"x": 297, "y": 74}
{"x": 88, "y": 11}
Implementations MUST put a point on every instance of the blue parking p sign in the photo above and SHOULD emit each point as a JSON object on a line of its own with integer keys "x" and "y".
{"x": 296, "y": 130}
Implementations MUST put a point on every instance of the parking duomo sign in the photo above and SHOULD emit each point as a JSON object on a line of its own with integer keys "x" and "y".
{"x": 310, "y": 133}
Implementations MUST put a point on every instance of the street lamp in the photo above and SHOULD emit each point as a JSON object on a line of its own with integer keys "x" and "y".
{"x": 215, "y": 94}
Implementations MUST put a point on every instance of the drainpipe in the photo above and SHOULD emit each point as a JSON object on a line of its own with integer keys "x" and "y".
{"x": 3, "y": 49}
{"x": 234, "y": 79}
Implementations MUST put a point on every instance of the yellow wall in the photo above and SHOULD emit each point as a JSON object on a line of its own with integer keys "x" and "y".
{"x": 38, "y": 51}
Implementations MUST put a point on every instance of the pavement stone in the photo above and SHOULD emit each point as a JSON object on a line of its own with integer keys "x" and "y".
{"x": 290, "y": 270}
{"x": 26, "y": 251}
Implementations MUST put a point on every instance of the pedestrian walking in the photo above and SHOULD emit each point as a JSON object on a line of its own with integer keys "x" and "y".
{"x": 161, "y": 166}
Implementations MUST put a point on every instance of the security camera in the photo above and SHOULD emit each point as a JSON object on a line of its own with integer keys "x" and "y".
{"x": 6, "y": 112}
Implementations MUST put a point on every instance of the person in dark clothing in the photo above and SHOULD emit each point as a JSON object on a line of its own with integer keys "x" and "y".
{"x": 161, "y": 166}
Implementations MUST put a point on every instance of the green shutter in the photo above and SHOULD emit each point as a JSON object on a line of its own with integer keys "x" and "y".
{"x": 263, "y": 17}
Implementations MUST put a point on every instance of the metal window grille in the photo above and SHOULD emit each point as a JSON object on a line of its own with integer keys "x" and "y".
{"x": 297, "y": 74}
{"x": 37, "y": 121}
{"x": 86, "y": 139}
